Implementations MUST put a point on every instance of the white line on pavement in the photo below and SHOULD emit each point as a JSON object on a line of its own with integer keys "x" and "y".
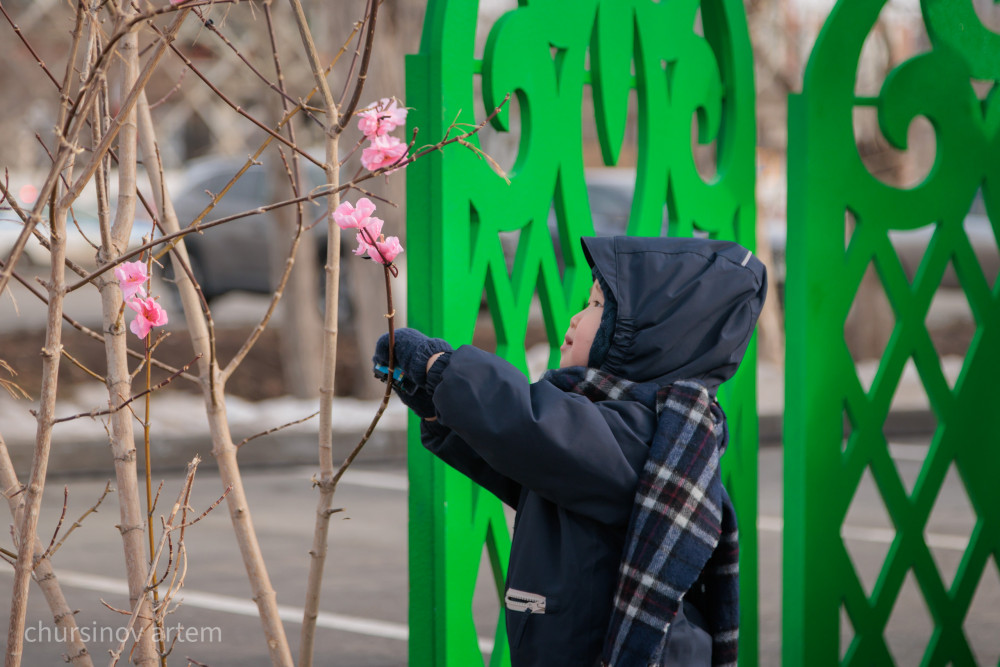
{"x": 241, "y": 607}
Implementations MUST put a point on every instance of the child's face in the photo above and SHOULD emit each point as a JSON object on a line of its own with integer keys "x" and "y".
{"x": 582, "y": 329}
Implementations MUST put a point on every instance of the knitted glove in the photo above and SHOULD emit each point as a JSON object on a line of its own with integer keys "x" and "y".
{"x": 412, "y": 351}
{"x": 419, "y": 401}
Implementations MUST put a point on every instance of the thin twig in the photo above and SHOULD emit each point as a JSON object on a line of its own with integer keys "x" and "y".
{"x": 237, "y": 108}
{"x": 391, "y": 319}
{"x": 169, "y": 528}
{"x": 275, "y": 429}
{"x": 316, "y": 193}
{"x": 62, "y": 517}
{"x": 169, "y": 93}
{"x": 82, "y": 328}
{"x": 109, "y": 411}
{"x": 79, "y": 522}
{"x": 278, "y": 88}
{"x": 348, "y": 112}
{"x": 79, "y": 364}
{"x": 13, "y": 388}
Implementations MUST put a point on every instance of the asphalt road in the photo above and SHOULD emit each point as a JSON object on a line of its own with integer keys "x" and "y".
{"x": 365, "y": 592}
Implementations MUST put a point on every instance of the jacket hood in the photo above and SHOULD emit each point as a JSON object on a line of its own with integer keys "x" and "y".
{"x": 686, "y": 307}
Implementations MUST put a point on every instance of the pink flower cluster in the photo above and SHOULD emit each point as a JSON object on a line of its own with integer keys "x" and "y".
{"x": 371, "y": 242}
{"x": 376, "y": 123}
{"x": 132, "y": 277}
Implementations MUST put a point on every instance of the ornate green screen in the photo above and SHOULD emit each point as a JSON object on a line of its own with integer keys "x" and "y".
{"x": 834, "y": 431}
{"x": 673, "y": 66}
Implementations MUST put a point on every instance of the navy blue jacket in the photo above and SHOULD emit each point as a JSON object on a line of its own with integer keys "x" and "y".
{"x": 571, "y": 466}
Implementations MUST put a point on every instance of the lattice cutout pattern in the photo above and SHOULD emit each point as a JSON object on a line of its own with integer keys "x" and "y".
{"x": 919, "y": 242}
{"x": 480, "y": 235}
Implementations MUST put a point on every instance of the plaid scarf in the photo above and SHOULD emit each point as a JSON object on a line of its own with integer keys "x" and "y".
{"x": 683, "y": 526}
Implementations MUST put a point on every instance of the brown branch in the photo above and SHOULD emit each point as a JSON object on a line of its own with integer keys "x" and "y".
{"x": 278, "y": 88}
{"x": 391, "y": 318}
{"x": 272, "y": 306}
{"x": 275, "y": 429}
{"x": 110, "y": 411}
{"x": 347, "y": 113}
{"x": 82, "y": 328}
{"x": 170, "y": 93}
{"x": 79, "y": 522}
{"x": 168, "y": 528}
{"x": 238, "y": 109}
{"x": 211, "y": 507}
{"x": 62, "y": 517}
{"x": 13, "y": 388}
{"x": 79, "y": 364}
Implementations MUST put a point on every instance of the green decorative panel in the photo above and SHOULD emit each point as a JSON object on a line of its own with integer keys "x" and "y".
{"x": 834, "y": 424}
{"x": 669, "y": 65}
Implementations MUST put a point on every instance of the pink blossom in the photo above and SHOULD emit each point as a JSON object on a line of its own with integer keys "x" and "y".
{"x": 149, "y": 314}
{"x": 381, "y": 118}
{"x": 385, "y": 251}
{"x": 131, "y": 278}
{"x": 382, "y": 152}
{"x": 368, "y": 234}
{"x": 348, "y": 216}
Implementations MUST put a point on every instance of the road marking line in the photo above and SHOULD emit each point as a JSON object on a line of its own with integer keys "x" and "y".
{"x": 242, "y": 607}
{"x": 775, "y": 524}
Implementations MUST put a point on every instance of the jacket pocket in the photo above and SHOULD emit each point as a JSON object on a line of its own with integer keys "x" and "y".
{"x": 533, "y": 603}
{"x": 521, "y": 606}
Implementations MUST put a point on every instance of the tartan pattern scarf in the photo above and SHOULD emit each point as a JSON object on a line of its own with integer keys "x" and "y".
{"x": 683, "y": 526}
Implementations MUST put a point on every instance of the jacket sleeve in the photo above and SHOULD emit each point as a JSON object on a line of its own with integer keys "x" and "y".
{"x": 583, "y": 456}
{"x": 450, "y": 448}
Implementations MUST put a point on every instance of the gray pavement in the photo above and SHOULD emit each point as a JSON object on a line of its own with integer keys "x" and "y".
{"x": 365, "y": 593}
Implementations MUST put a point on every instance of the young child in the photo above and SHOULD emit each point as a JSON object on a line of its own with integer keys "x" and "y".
{"x": 624, "y": 544}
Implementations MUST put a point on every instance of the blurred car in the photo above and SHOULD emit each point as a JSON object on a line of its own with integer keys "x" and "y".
{"x": 236, "y": 255}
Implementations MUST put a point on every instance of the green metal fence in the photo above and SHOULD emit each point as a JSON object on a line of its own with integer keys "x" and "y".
{"x": 834, "y": 431}
{"x": 669, "y": 64}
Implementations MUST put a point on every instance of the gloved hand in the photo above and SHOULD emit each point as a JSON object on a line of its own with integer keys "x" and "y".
{"x": 412, "y": 350}
{"x": 419, "y": 401}
{"x": 411, "y": 353}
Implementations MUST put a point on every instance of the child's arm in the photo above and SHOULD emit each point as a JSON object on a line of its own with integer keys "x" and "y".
{"x": 450, "y": 448}
{"x": 580, "y": 455}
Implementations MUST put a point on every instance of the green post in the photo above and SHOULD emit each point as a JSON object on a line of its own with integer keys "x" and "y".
{"x": 833, "y": 426}
{"x": 671, "y": 68}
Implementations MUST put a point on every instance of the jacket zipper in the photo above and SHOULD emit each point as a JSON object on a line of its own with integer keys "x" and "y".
{"x": 516, "y": 600}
